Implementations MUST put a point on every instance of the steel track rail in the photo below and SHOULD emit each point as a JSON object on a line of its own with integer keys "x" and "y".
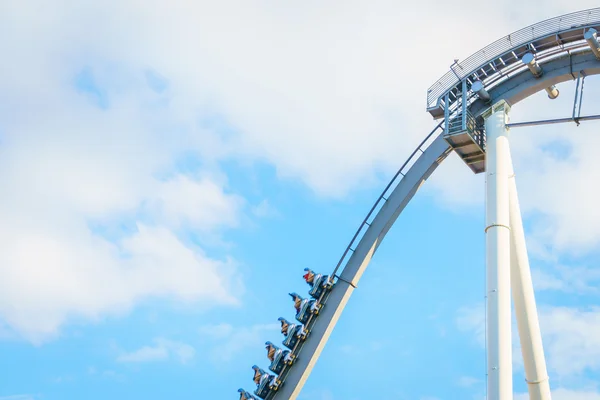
{"x": 514, "y": 86}
{"x": 389, "y": 208}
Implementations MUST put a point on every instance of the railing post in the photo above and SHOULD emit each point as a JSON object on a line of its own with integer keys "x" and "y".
{"x": 464, "y": 105}
{"x": 447, "y": 113}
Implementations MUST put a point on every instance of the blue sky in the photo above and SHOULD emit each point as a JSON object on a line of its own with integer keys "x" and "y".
{"x": 168, "y": 171}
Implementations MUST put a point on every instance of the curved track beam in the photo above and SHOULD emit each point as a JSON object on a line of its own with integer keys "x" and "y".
{"x": 348, "y": 280}
{"x": 513, "y": 88}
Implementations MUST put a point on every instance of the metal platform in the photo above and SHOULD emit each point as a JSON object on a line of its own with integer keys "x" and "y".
{"x": 467, "y": 139}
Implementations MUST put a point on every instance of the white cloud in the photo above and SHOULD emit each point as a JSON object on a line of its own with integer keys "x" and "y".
{"x": 543, "y": 280}
{"x": 217, "y": 331}
{"x": 200, "y": 204}
{"x": 472, "y": 319}
{"x": 232, "y": 340}
{"x": 287, "y": 87}
{"x": 264, "y": 209}
{"x": 279, "y": 92}
{"x": 50, "y": 276}
{"x": 163, "y": 349}
{"x": 460, "y": 187}
{"x": 330, "y": 107}
{"x": 579, "y": 280}
{"x": 73, "y": 166}
{"x": 559, "y": 192}
{"x": 571, "y": 339}
{"x": 468, "y": 381}
{"x": 145, "y": 354}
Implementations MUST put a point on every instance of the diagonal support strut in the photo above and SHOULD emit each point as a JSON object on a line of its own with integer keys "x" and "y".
{"x": 523, "y": 296}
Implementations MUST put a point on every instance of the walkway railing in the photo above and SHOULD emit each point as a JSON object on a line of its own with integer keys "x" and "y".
{"x": 500, "y": 47}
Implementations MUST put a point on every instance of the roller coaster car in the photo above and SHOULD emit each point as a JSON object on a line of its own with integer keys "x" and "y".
{"x": 317, "y": 282}
{"x": 246, "y": 395}
{"x": 305, "y": 307}
{"x": 292, "y": 332}
{"x": 265, "y": 383}
{"x": 279, "y": 358}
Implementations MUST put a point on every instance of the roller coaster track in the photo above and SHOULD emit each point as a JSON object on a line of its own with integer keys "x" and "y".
{"x": 564, "y": 54}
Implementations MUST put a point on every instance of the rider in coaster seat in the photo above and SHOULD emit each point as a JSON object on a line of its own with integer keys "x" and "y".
{"x": 284, "y": 325}
{"x": 258, "y": 373}
{"x": 309, "y": 276}
{"x": 304, "y": 308}
{"x": 265, "y": 383}
{"x": 297, "y": 302}
{"x": 317, "y": 282}
{"x": 271, "y": 350}
{"x": 279, "y": 358}
{"x": 292, "y": 332}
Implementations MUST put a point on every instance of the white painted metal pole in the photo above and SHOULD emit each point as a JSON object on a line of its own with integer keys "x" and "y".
{"x": 497, "y": 230}
{"x": 530, "y": 335}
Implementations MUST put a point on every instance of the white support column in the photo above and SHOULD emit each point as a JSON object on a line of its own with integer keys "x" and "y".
{"x": 530, "y": 335}
{"x": 497, "y": 230}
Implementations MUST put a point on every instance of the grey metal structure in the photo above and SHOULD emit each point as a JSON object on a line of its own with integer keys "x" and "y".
{"x": 561, "y": 52}
{"x": 502, "y": 69}
{"x": 500, "y": 60}
{"x": 376, "y": 229}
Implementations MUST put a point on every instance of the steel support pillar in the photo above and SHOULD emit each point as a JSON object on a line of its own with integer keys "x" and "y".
{"x": 499, "y": 342}
{"x": 523, "y": 296}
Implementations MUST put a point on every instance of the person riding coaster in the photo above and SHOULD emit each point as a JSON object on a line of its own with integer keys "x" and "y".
{"x": 317, "y": 282}
{"x": 279, "y": 358}
{"x": 292, "y": 332}
{"x": 246, "y": 395}
{"x": 304, "y": 307}
{"x": 285, "y": 325}
{"x": 265, "y": 383}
